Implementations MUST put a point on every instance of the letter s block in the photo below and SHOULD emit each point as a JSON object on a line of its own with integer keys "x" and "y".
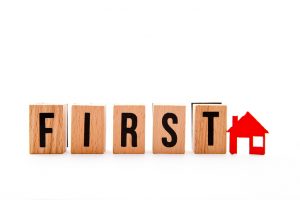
{"x": 129, "y": 129}
{"x": 209, "y": 128}
{"x": 168, "y": 129}
{"x": 47, "y": 129}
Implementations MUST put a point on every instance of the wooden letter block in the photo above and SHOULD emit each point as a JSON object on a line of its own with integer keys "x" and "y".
{"x": 209, "y": 128}
{"x": 129, "y": 130}
{"x": 88, "y": 129}
{"x": 47, "y": 129}
{"x": 168, "y": 129}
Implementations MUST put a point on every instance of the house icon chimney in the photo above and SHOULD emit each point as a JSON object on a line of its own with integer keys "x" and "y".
{"x": 234, "y": 120}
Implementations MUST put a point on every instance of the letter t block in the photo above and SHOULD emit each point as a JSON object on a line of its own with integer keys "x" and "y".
{"x": 209, "y": 128}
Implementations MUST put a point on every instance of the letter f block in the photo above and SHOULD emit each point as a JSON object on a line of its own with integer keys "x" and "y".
{"x": 48, "y": 129}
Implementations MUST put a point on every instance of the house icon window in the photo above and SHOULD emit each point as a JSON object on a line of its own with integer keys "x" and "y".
{"x": 258, "y": 141}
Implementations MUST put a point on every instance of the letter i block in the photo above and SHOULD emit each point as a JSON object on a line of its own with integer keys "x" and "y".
{"x": 209, "y": 128}
{"x": 47, "y": 129}
{"x": 129, "y": 130}
{"x": 168, "y": 129}
{"x": 88, "y": 129}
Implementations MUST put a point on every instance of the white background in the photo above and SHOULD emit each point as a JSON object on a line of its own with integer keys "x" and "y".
{"x": 243, "y": 53}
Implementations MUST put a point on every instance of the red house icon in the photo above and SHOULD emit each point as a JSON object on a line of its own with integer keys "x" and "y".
{"x": 247, "y": 127}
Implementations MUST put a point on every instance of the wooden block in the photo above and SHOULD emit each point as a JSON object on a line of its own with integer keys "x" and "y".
{"x": 47, "y": 129}
{"x": 129, "y": 130}
{"x": 168, "y": 129}
{"x": 88, "y": 129}
{"x": 209, "y": 128}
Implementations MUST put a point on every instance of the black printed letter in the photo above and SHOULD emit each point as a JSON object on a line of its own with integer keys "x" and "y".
{"x": 210, "y": 116}
{"x": 131, "y": 130}
{"x": 43, "y": 129}
{"x": 86, "y": 129}
{"x": 169, "y": 129}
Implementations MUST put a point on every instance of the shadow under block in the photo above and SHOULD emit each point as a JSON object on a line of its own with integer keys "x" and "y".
{"x": 88, "y": 129}
{"x": 209, "y": 128}
{"x": 168, "y": 129}
{"x": 129, "y": 129}
{"x": 47, "y": 129}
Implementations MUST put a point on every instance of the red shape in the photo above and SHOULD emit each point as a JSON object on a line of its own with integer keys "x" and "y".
{"x": 246, "y": 127}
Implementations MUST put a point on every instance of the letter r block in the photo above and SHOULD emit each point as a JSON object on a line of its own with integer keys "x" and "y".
{"x": 209, "y": 128}
{"x": 129, "y": 129}
{"x": 168, "y": 129}
{"x": 47, "y": 129}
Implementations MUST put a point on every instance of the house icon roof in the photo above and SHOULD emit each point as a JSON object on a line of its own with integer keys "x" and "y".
{"x": 247, "y": 126}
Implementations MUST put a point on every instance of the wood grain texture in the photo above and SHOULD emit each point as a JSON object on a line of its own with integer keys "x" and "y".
{"x": 139, "y": 111}
{"x": 159, "y": 131}
{"x": 96, "y": 129}
{"x": 55, "y": 141}
{"x": 200, "y": 129}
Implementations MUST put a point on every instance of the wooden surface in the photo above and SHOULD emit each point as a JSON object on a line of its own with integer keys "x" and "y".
{"x": 97, "y": 130}
{"x": 200, "y": 129}
{"x": 55, "y": 141}
{"x": 160, "y": 132}
{"x": 139, "y": 111}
